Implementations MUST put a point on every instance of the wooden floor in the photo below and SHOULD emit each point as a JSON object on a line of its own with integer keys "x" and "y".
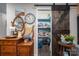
{"x": 44, "y": 51}
{"x": 75, "y": 52}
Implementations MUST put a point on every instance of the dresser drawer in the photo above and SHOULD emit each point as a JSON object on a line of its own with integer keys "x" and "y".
{"x": 0, "y": 50}
{"x": 8, "y": 54}
{"x": 9, "y": 49}
{"x": 23, "y": 49}
{"x": 23, "y": 54}
{"x": 9, "y": 42}
{"x": 0, "y": 42}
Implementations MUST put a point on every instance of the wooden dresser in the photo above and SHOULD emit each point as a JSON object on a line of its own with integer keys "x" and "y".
{"x": 15, "y": 47}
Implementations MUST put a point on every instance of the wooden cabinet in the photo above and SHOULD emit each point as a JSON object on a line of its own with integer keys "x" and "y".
{"x": 15, "y": 47}
{"x": 8, "y": 46}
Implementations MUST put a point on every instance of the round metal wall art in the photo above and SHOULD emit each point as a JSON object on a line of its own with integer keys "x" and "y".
{"x": 30, "y": 18}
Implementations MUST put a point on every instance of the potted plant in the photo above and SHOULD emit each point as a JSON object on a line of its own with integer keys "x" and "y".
{"x": 69, "y": 38}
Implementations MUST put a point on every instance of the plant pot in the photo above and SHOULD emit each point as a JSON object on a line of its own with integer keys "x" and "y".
{"x": 69, "y": 42}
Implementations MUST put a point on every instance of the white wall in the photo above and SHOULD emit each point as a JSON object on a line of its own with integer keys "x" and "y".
{"x": 73, "y": 22}
{"x": 2, "y": 19}
{"x": 10, "y": 16}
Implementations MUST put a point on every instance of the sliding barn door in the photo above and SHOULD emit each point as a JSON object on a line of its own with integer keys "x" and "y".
{"x": 60, "y": 25}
